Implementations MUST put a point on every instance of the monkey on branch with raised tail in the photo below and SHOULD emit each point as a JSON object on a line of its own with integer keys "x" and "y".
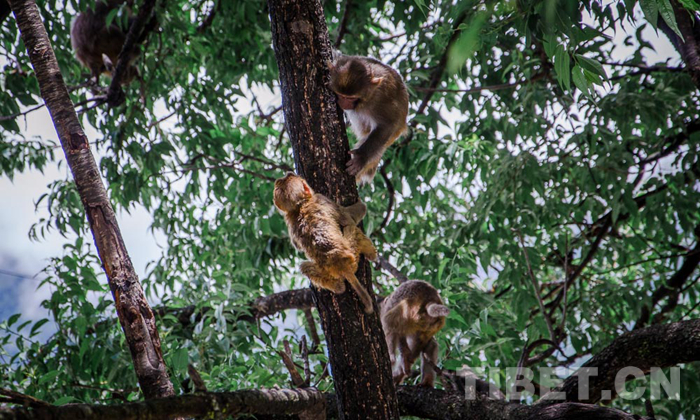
{"x": 97, "y": 45}
{"x": 411, "y": 316}
{"x": 375, "y": 100}
{"x": 327, "y": 233}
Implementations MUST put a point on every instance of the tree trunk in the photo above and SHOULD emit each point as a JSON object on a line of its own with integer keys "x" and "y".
{"x": 134, "y": 313}
{"x": 357, "y": 350}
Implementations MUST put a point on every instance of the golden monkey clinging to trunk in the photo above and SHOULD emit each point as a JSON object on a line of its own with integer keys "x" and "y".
{"x": 328, "y": 235}
{"x": 375, "y": 99}
{"x": 411, "y": 316}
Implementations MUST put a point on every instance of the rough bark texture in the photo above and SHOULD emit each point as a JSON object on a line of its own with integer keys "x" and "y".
{"x": 260, "y": 308}
{"x": 212, "y": 405}
{"x": 430, "y": 403}
{"x": 688, "y": 46}
{"x": 134, "y": 313}
{"x": 288, "y": 404}
{"x": 655, "y": 346}
{"x": 357, "y": 350}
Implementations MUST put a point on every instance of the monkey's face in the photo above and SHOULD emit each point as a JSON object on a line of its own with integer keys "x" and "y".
{"x": 290, "y": 192}
{"x": 351, "y": 80}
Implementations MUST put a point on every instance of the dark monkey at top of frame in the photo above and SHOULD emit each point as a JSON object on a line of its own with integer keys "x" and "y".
{"x": 97, "y": 45}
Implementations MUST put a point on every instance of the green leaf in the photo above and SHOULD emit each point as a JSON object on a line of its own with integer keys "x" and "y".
{"x": 669, "y": 16}
{"x": 580, "y": 80}
{"x": 651, "y": 11}
{"x": 38, "y": 325}
{"x": 591, "y": 65}
{"x": 11, "y": 320}
{"x": 64, "y": 400}
{"x": 562, "y": 67}
{"x": 180, "y": 360}
{"x": 48, "y": 377}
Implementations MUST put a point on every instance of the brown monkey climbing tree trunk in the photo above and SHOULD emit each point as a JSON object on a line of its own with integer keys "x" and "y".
{"x": 357, "y": 351}
{"x": 134, "y": 313}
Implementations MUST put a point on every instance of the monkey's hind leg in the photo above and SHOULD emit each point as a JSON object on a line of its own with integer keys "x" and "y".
{"x": 321, "y": 279}
{"x": 361, "y": 292}
{"x": 365, "y": 246}
{"x": 429, "y": 358}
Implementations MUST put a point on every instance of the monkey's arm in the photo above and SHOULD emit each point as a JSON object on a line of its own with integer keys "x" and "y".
{"x": 372, "y": 149}
{"x": 356, "y": 212}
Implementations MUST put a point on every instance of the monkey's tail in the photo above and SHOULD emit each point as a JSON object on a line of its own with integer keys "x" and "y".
{"x": 361, "y": 292}
{"x": 437, "y": 310}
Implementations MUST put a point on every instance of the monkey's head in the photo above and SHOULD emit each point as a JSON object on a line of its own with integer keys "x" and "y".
{"x": 352, "y": 81}
{"x": 290, "y": 192}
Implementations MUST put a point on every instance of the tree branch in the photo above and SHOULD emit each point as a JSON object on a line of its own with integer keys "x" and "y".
{"x": 689, "y": 45}
{"x": 656, "y": 346}
{"x": 674, "y": 285}
{"x": 218, "y": 404}
{"x": 115, "y": 94}
{"x": 133, "y": 310}
{"x": 342, "y": 29}
{"x": 386, "y": 265}
{"x": 423, "y": 402}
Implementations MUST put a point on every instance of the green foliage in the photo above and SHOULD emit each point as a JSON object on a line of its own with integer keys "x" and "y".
{"x": 567, "y": 135}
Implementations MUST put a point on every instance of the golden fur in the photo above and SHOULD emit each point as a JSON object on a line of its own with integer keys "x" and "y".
{"x": 327, "y": 233}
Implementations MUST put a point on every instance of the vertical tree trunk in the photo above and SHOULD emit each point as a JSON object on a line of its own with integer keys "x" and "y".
{"x": 357, "y": 351}
{"x": 134, "y": 313}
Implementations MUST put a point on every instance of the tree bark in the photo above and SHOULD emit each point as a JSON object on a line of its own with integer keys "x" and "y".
{"x": 656, "y": 346}
{"x": 689, "y": 45}
{"x": 206, "y": 404}
{"x": 357, "y": 350}
{"x": 288, "y": 404}
{"x": 134, "y": 313}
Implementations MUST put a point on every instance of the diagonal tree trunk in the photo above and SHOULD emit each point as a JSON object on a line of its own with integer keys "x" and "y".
{"x": 134, "y": 313}
{"x": 357, "y": 351}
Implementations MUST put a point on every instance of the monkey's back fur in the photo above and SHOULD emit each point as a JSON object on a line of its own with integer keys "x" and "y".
{"x": 423, "y": 310}
{"x": 315, "y": 230}
{"x": 91, "y": 38}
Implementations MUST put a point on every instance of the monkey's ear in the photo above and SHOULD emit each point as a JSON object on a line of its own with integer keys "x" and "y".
{"x": 307, "y": 190}
{"x": 376, "y": 80}
{"x": 330, "y": 64}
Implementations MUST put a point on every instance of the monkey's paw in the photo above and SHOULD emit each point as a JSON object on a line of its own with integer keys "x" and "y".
{"x": 371, "y": 254}
{"x": 355, "y": 164}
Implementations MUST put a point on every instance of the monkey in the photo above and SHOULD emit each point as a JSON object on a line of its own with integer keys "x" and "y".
{"x": 327, "y": 233}
{"x": 97, "y": 46}
{"x": 375, "y": 100}
{"x": 411, "y": 316}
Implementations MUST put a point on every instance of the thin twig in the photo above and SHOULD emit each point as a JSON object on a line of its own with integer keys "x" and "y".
{"x": 206, "y": 23}
{"x": 342, "y": 29}
{"x": 286, "y": 356}
{"x": 390, "y": 192}
{"x": 20, "y": 114}
{"x": 313, "y": 332}
{"x": 491, "y": 88}
{"x": 155, "y": 123}
{"x": 536, "y": 286}
{"x": 386, "y": 265}
{"x": 305, "y": 358}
